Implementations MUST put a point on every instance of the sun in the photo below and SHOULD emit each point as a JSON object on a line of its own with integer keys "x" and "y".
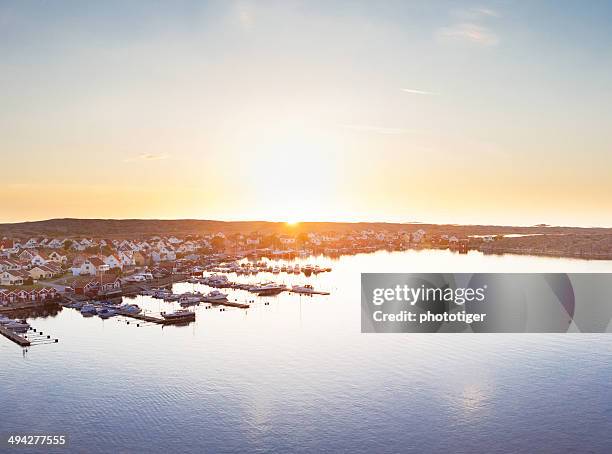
{"x": 292, "y": 222}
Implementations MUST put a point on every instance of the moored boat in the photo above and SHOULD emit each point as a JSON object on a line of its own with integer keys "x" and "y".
{"x": 181, "y": 314}
{"x": 214, "y": 297}
{"x": 187, "y": 299}
{"x": 105, "y": 312}
{"x": 130, "y": 308}
{"x": 19, "y": 326}
{"x": 307, "y": 289}
{"x": 88, "y": 310}
{"x": 268, "y": 289}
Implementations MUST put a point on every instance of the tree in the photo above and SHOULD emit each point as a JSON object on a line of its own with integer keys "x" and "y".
{"x": 270, "y": 241}
{"x": 218, "y": 244}
{"x": 302, "y": 238}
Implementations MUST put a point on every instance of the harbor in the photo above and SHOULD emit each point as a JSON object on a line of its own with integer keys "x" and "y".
{"x": 174, "y": 299}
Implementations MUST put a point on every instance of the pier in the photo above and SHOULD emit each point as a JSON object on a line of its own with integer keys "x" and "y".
{"x": 27, "y": 305}
{"x": 230, "y": 304}
{"x": 312, "y": 292}
{"x": 19, "y": 340}
{"x": 156, "y": 320}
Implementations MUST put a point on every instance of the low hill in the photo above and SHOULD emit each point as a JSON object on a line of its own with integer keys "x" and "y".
{"x": 132, "y": 228}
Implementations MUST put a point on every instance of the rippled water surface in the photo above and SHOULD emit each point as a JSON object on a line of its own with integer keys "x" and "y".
{"x": 297, "y": 375}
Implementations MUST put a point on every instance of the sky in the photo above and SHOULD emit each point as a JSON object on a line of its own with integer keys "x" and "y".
{"x": 428, "y": 111}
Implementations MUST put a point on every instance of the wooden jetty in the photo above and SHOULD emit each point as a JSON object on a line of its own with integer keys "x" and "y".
{"x": 312, "y": 292}
{"x": 157, "y": 320}
{"x": 26, "y": 305}
{"x": 14, "y": 337}
{"x": 230, "y": 304}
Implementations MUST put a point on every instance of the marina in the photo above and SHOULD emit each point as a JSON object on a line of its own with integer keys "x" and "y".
{"x": 178, "y": 295}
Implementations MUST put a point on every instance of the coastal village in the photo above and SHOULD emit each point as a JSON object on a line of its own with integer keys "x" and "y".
{"x": 34, "y": 271}
{"x": 40, "y": 269}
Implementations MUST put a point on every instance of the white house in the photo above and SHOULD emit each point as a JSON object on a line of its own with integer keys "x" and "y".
{"x": 10, "y": 265}
{"x": 186, "y": 247}
{"x": 39, "y": 259}
{"x": 163, "y": 254}
{"x": 90, "y": 267}
{"x": 13, "y": 277}
{"x": 31, "y": 243}
{"x": 113, "y": 261}
{"x": 127, "y": 258}
{"x": 55, "y": 243}
{"x": 78, "y": 246}
{"x": 56, "y": 257}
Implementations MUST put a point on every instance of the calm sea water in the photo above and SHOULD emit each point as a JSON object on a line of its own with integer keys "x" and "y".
{"x": 298, "y": 376}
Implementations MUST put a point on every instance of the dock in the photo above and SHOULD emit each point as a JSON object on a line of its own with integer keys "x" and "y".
{"x": 26, "y": 305}
{"x": 230, "y": 304}
{"x": 21, "y": 341}
{"x": 312, "y": 292}
{"x": 156, "y": 320}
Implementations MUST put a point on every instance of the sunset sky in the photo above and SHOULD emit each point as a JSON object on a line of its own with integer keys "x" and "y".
{"x": 475, "y": 112}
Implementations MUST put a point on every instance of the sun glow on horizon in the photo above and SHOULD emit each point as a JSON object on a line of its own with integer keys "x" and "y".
{"x": 274, "y": 122}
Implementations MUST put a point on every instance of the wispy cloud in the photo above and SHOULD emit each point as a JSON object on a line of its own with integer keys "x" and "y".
{"x": 377, "y": 129}
{"x": 147, "y": 157}
{"x": 418, "y": 92}
{"x": 473, "y": 33}
{"x": 470, "y": 27}
{"x": 475, "y": 13}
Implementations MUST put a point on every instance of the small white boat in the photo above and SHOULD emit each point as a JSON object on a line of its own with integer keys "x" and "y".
{"x": 214, "y": 297}
{"x": 19, "y": 326}
{"x": 187, "y": 299}
{"x": 307, "y": 289}
{"x": 268, "y": 289}
{"x": 104, "y": 312}
{"x": 161, "y": 293}
{"x": 88, "y": 310}
{"x": 130, "y": 308}
{"x": 302, "y": 288}
{"x": 178, "y": 315}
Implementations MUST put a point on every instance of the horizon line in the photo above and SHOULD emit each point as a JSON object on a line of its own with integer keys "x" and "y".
{"x": 295, "y": 223}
